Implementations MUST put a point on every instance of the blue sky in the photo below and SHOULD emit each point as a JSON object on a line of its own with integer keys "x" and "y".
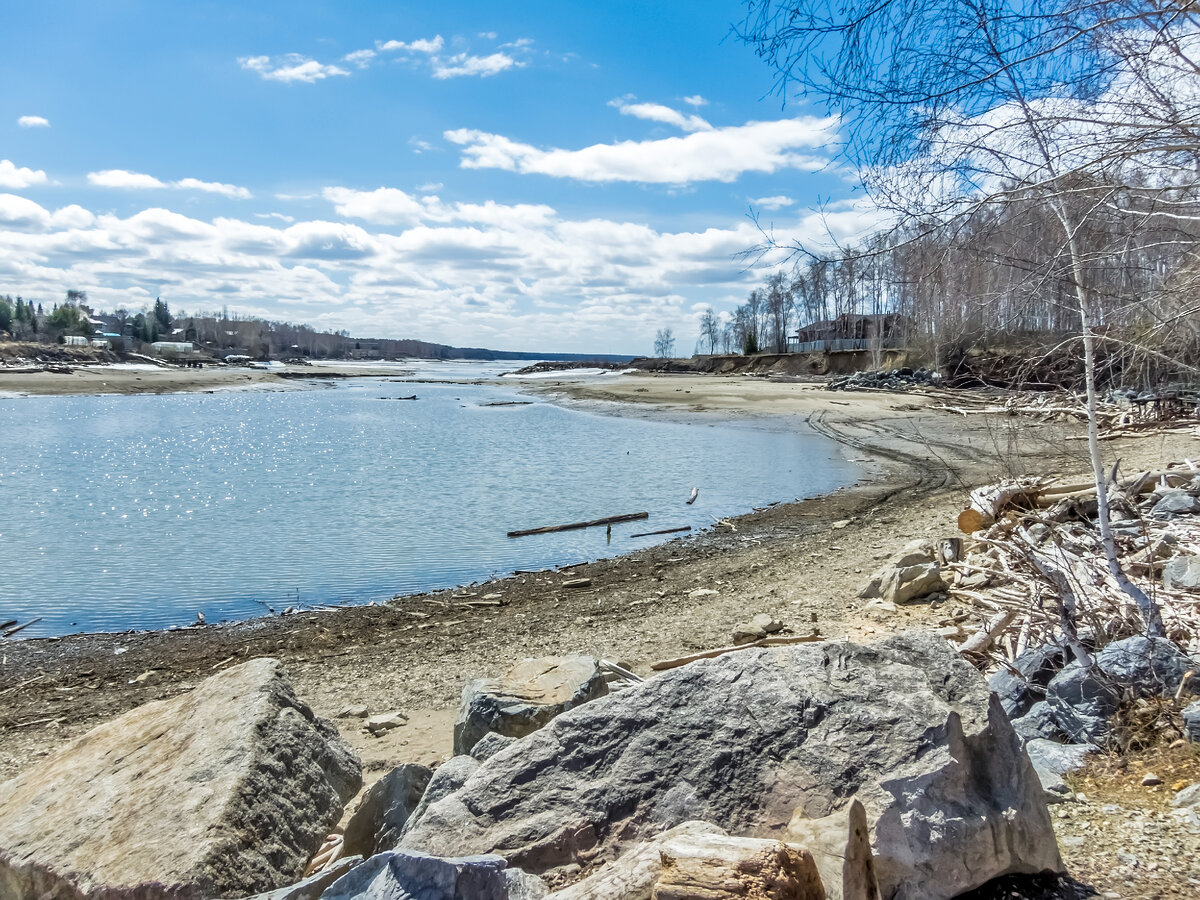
{"x": 542, "y": 176}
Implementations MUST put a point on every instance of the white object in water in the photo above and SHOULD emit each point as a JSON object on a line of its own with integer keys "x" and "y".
{"x": 695, "y": 494}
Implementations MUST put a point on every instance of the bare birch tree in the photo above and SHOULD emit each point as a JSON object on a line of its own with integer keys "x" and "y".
{"x": 954, "y": 110}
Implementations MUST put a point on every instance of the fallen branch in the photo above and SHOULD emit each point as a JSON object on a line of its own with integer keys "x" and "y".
{"x": 665, "y": 664}
{"x": 573, "y": 526}
{"x": 662, "y": 531}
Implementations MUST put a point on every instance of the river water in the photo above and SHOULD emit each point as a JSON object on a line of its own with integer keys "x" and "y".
{"x": 138, "y": 512}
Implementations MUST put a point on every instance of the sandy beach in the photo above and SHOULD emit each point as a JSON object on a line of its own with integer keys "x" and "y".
{"x": 146, "y": 378}
{"x": 801, "y": 562}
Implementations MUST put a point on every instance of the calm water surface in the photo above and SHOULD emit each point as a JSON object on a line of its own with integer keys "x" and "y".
{"x": 141, "y": 511}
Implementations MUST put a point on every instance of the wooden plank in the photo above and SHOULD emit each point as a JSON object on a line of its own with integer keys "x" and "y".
{"x": 573, "y": 526}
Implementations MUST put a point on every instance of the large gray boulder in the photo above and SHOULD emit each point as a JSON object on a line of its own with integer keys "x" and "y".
{"x": 379, "y": 819}
{"x": 404, "y": 875}
{"x": 525, "y": 698}
{"x": 223, "y": 791}
{"x": 1146, "y": 667}
{"x": 745, "y": 740}
{"x": 1081, "y": 702}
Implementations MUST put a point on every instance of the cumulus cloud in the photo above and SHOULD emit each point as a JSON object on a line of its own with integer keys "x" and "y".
{"x": 18, "y": 178}
{"x": 656, "y": 112}
{"x": 120, "y": 178}
{"x": 360, "y": 58}
{"x": 290, "y": 67}
{"x": 421, "y": 45}
{"x": 778, "y": 201}
{"x": 232, "y": 191}
{"x": 427, "y": 52}
{"x": 695, "y": 100}
{"x": 33, "y": 122}
{"x": 463, "y": 64}
{"x": 719, "y": 154}
{"x": 387, "y": 261}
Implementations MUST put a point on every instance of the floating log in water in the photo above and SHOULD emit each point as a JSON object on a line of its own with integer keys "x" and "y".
{"x": 608, "y": 520}
{"x": 11, "y": 631}
{"x": 9, "y": 624}
{"x": 662, "y": 531}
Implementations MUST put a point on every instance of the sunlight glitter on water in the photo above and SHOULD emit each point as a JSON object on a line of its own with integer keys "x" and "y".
{"x": 141, "y": 511}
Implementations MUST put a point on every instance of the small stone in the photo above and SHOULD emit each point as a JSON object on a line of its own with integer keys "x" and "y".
{"x": 385, "y": 722}
{"x": 1150, "y": 780}
{"x": 352, "y": 712}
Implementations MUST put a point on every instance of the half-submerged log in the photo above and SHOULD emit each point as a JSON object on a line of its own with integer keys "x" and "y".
{"x": 608, "y": 520}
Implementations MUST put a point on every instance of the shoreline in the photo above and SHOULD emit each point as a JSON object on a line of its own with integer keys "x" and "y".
{"x": 800, "y": 562}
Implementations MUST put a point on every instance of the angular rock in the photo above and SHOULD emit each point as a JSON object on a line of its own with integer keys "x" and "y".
{"x": 401, "y": 874}
{"x": 225, "y": 790}
{"x": 906, "y": 575}
{"x": 1149, "y": 667}
{"x": 525, "y": 698}
{"x": 1191, "y": 721}
{"x": 489, "y": 745}
{"x": 312, "y": 887}
{"x": 1188, "y": 797}
{"x": 1038, "y": 723}
{"x": 1182, "y": 573}
{"x": 745, "y": 739}
{"x": 1052, "y": 761}
{"x": 1038, "y": 665}
{"x": 447, "y": 778}
{"x": 841, "y": 847}
{"x": 1081, "y": 702}
{"x": 385, "y": 722}
{"x": 379, "y": 819}
{"x": 698, "y": 861}
{"x": 1175, "y": 502}
{"x": 1015, "y": 694}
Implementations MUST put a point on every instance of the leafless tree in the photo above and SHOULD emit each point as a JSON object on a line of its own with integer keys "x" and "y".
{"x": 959, "y": 115}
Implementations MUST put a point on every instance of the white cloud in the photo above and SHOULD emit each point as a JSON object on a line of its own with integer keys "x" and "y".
{"x": 33, "y": 122}
{"x": 422, "y": 45}
{"x": 721, "y": 154}
{"x": 18, "y": 178}
{"x": 385, "y": 206}
{"x": 695, "y": 100}
{"x": 360, "y": 58}
{"x": 290, "y": 67}
{"x": 779, "y": 201}
{"x": 120, "y": 178}
{"x": 231, "y": 191}
{"x": 656, "y": 112}
{"x": 420, "y": 146}
{"x": 391, "y": 262}
{"x": 463, "y": 64}
{"x": 22, "y": 214}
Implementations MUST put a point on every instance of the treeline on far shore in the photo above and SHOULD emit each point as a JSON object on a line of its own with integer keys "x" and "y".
{"x": 223, "y": 334}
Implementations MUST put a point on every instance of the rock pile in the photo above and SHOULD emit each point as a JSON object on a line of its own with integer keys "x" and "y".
{"x": 820, "y": 770}
{"x": 903, "y": 726}
{"x": 901, "y": 379}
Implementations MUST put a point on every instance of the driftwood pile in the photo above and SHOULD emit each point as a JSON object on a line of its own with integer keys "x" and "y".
{"x": 1035, "y": 547}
